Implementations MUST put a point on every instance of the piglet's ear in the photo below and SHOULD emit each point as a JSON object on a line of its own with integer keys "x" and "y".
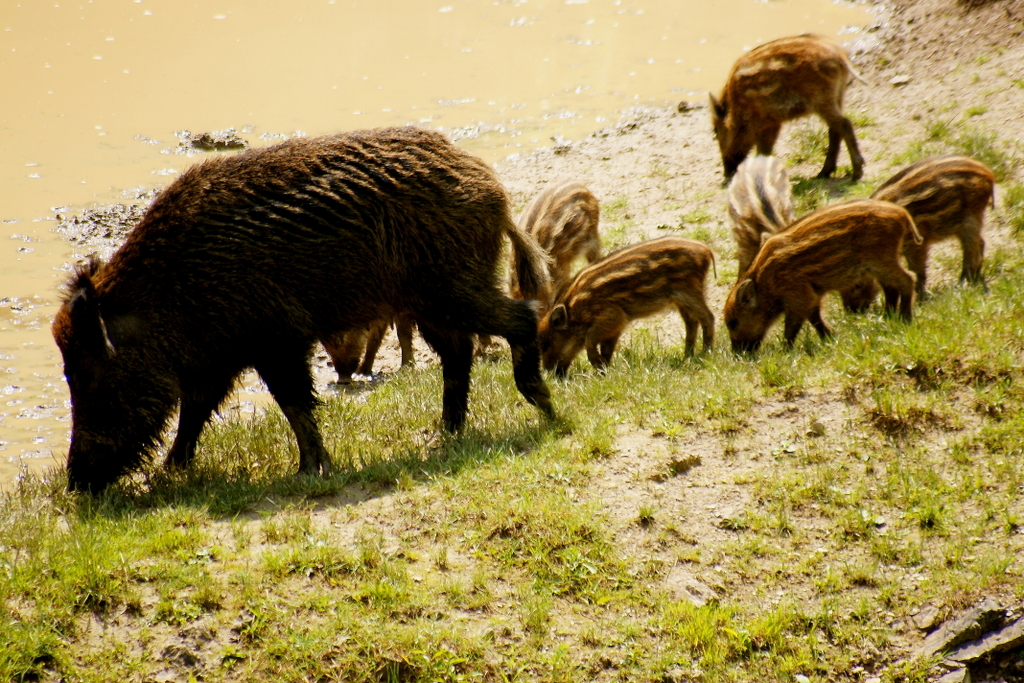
{"x": 718, "y": 110}
{"x": 559, "y": 318}
{"x": 746, "y": 293}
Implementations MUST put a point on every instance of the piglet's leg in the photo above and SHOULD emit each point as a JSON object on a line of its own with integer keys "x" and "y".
{"x": 819, "y": 324}
{"x": 973, "y": 245}
{"x": 374, "y": 338}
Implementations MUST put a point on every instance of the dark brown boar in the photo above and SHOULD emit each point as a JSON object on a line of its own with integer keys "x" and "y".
{"x": 947, "y": 196}
{"x": 760, "y": 205}
{"x": 563, "y": 218}
{"x": 247, "y": 260}
{"x": 631, "y": 283}
{"x": 346, "y": 348}
{"x": 831, "y": 249}
{"x": 779, "y": 81}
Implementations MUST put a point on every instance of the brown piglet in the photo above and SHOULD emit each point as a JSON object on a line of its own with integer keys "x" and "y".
{"x": 831, "y": 249}
{"x": 947, "y": 196}
{"x": 761, "y": 205}
{"x": 563, "y": 219}
{"x": 634, "y": 282}
{"x": 779, "y": 81}
{"x": 345, "y": 348}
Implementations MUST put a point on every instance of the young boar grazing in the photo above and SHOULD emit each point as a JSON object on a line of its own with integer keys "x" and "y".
{"x": 345, "y": 348}
{"x": 779, "y": 81}
{"x": 563, "y": 219}
{"x": 760, "y": 205}
{"x": 833, "y": 248}
{"x": 946, "y": 196}
{"x": 634, "y": 282}
{"x": 248, "y": 260}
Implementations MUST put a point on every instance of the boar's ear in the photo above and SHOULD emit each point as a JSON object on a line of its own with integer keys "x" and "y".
{"x": 84, "y": 310}
{"x": 718, "y": 108}
{"x": 559, "y": 317}
{"x": 746, "y": 294}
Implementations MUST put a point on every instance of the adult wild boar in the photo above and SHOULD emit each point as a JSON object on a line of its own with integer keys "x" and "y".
{"x": 947, "y": 197}
{"x": 563, "y": 219}
{"x": 633, "y": 282}
{"x": 346, "y": 348}
{"x": 780, "y": 81}
{"x": 830, "y": 249}
{"x": 247, "y": 260}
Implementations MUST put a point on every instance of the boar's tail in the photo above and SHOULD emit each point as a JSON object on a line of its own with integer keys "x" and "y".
{"x": 913, "y": 230}
{"x": 853, "y": 72}
{"x": 714, "y": 267}
{"x": 529, "y": 264}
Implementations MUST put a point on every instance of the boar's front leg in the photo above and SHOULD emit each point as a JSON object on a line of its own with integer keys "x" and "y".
{"x": 793, "y": 324}
{"x": 287, "y": 375}
{"x": 599, "y": 351}
{"x": 197, "y": 405}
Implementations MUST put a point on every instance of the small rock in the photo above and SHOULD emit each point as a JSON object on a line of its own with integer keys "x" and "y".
{"x": 926, "y": 618}
{"x": 901, "y": 79}
{"x": 179, "y": 654}
{"x": 816, "y": 429}
{"x": 956, "y": 676}
{"x": 677, "y": 466}
{"x": 218, "y": 140}
{"x": 970, "y": 626}
{"x": 684, "y": 107}
{"x": 685, "y": 586}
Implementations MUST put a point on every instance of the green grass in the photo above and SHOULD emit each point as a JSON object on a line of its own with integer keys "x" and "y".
{"x": 951, "y": 135}
{"x": 497, "y": 533}
{"x": 875, "y": 473}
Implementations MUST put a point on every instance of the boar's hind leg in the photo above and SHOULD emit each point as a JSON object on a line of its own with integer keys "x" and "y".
{"x": 840, "y": 129}
{"x": 898, "y": 286}
{"x": 456, "y": 352}
{"x": 973, "y": 245}
{"x": 287, "y": 375}
{"x": 694, "y": 311}
{"x": 197, "y": 405}
{"x": 917, "y": 262}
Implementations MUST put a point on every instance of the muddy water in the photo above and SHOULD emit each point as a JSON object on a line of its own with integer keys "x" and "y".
{"x": 94, "y": 91}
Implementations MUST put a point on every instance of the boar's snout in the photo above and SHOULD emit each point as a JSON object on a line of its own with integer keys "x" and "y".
{"x": 746, "y": 347}
{"x": 85, "y": 473}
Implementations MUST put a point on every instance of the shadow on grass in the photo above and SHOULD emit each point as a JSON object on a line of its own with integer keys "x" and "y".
{"x": 225, "y": 488}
